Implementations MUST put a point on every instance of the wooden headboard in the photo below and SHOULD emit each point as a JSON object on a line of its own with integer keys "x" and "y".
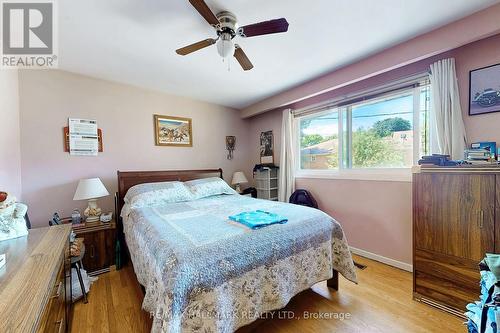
{"x": 127, "y": 179}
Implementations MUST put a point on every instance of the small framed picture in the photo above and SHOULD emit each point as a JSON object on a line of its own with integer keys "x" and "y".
{"x": 484, "y": 90}
{"x": 266, "y": 147}
{"x": 173, "y": 131}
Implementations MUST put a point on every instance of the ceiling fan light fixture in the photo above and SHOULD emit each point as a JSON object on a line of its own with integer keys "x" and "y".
{"x": 225, "y": 46}
{"x": 226, "y": 26}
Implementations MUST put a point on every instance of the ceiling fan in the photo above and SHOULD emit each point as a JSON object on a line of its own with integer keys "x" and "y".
{"x": 226, "y": 27}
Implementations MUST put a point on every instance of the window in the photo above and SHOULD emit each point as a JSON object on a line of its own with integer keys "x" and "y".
{"x": 386, "y": 131}
{"x": 319, "y": 142}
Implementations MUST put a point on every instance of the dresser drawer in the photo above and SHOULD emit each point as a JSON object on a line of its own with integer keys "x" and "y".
{"x": 446, "y": 279}
{"x": 54, "y": 315}
{"x": 447, "y": 292}
{"x": 460, "y": 270}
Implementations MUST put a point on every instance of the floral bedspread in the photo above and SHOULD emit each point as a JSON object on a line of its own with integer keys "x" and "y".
{"x": 205, "y": 273}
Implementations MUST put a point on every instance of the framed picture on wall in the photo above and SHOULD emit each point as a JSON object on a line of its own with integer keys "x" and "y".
{"x": 484, "y": 90}
{"x": 173, "y": 131}
{"x": 266, "y": 147}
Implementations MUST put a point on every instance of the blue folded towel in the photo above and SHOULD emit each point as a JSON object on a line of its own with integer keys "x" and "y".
{"x": 258, "y": 219}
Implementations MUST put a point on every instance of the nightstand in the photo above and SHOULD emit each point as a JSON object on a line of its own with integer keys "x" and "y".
{"x": 100, "y": 241}
{"x": 249, "y": 192}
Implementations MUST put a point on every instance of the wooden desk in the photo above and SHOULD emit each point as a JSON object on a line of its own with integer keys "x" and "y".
{"x": 34, "y": 294}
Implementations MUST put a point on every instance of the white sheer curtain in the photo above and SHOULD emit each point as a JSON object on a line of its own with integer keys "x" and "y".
{"x": 287, "y": 157}
{"x": 448, "y": 132}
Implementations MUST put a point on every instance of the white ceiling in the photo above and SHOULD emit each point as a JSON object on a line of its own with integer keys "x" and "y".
{"x": 133, "y": 41}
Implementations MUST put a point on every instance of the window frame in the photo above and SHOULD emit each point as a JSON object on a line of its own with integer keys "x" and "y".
{"x": 344, "y": 169}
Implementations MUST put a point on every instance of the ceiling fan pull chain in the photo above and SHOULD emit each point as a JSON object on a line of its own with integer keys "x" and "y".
{"x": 223, "y": 49}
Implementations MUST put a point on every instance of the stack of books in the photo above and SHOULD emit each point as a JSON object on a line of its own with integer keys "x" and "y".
{"x": 478, "y": 156}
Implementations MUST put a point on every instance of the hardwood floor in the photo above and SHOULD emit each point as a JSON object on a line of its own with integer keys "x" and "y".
{"x": 382, "y": 302}
{"x": 114, "y": 305}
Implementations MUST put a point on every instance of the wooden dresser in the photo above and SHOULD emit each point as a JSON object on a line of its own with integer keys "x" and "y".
{"x": 456, "y": 220}
{"x": 35, "y": 283}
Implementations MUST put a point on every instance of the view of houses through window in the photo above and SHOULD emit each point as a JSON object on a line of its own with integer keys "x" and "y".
{"x": 375, "y": 133}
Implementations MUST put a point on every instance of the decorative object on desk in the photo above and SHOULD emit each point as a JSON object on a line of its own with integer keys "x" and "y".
{"x": 106, "y": 217}
{"x": 266, "y": 147}
{"x": 488, "y": 145}
{"x": 12, "y": 223}
{"x": 230, "y": 144}
{"x": 76, "y": 217}
{"x": 66, "y": 139}
{"x": 173, "y": 131}
{"x": 238, "y": 179}
{"x": 91, "y": 189}
{"x": 484, "y": 90}
{"x": 481, "y": 153}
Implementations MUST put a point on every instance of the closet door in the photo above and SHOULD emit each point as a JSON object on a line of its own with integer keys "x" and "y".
{"x": 455, "y": 214}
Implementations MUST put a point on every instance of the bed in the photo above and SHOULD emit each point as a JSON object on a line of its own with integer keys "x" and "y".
{"x": 204, "y": 273}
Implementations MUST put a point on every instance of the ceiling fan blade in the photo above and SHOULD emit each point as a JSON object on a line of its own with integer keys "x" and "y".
{"x": 264, "y": 28}
{"x": 205, "y": 11}
{"x": 196, "y": 46}
{"x": 242, "y": 58}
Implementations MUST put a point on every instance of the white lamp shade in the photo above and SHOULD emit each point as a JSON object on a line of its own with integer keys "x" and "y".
{"x": 90, "y": 189}
{"x": 225, "y": 46}
{"x": 239, "y": 178}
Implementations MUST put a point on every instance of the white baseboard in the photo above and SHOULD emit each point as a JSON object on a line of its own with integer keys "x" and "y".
{"x": 388, "y": 261}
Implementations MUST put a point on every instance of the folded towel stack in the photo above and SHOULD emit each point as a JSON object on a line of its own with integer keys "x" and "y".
{"x": 258, "y": 219}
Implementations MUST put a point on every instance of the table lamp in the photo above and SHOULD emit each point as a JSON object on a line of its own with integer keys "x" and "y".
{"x": 91, "y": 189}
{"x": 238, "y": 178}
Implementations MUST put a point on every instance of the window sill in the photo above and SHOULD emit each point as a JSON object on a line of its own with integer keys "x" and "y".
{"x": 393, "y": 175}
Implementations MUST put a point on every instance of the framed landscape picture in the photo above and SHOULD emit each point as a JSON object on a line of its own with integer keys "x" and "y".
{"x": 484, "y": 90}
{"x": 173, "y": 131}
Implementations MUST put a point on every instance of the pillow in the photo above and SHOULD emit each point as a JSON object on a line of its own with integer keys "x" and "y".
{"x": 150, "y": 194}
{"x": 206, "y": 187}
{"x": 147, "y": 187}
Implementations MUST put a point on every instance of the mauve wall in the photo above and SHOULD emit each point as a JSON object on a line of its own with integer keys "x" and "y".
{"x": 269, "y": 121}
{"x": 10, "y": 154}
{"x": 376, "y": 215}
{"x": 125, "y": 115}
{"x": 479, "y": 54}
